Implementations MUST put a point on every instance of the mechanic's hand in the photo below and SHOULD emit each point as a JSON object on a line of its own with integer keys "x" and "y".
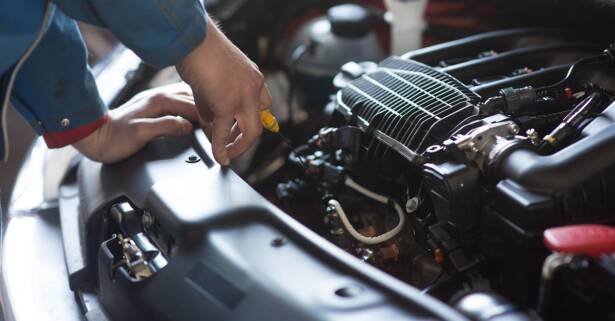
{"x": 165, "y": 111}
{"x": 227, "y": 87}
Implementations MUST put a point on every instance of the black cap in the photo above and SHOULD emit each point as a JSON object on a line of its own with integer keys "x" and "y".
{"x": 349, "y": 20}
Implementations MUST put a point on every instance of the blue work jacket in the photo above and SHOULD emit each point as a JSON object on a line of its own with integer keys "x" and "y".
{"x": 54, "y": 89}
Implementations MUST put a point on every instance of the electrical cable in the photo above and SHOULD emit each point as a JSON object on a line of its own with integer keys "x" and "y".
{"x": 295, "y": 154}
{"x": 18, "y": 65}
{"x": 374, "y": 196}
{"x": 569, "y": 125}
{"x": 557, "y": 89}
{"x": 515, "y": 100}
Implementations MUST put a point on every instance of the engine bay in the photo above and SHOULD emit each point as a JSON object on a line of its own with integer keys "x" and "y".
{"x": 469, "y": 180}
{"x": 433, "y": 160}
{"x": 444, "y": 167}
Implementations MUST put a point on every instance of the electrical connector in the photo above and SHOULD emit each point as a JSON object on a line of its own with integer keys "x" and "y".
{"x": 517, "y": 99}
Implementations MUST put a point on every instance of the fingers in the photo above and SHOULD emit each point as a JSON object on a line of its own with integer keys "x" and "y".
{"x": 265, "y": 98}
{"x": 220, "y": 133}
{"x": 250, "y": 125}
{"x": 235, "y": 131}
{"x": 162, "y": 104}
{"x": 150, "y": 128}
{"x": 179, "y": 88}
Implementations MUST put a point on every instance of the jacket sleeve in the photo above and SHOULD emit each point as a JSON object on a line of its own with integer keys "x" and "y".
{"x": 55, "y": 90}
{"x": 161, "y": 32}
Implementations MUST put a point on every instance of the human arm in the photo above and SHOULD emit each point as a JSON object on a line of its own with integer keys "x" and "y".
{"x": 228, "y": 87}
{"x": 62, "y": 104}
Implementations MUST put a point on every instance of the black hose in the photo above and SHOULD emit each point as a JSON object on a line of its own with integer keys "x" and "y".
{"x": 570, "y": 124}
{"x": 515, "y": 100}
{"x": 557, "y": 90}
{"x": 564, "y": 169}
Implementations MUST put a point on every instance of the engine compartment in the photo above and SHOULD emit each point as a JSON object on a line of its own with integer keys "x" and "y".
{"x": 442, "y": 168}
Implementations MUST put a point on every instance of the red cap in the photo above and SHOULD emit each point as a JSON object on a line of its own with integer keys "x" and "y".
{"x": 590, "y": 239}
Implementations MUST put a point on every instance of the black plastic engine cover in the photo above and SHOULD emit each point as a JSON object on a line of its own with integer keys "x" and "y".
{"x": 237, "y": 256}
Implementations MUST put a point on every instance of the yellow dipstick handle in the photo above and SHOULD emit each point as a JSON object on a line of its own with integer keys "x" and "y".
{"x": 269, "y": 121}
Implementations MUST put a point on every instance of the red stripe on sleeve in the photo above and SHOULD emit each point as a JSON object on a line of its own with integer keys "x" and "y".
{"x": 63, "y": 138}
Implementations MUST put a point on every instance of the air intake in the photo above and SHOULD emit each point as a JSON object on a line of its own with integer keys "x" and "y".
{"x": 407, "y": 105}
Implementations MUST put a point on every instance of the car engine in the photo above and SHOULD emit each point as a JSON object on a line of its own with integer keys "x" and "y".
{"x": 469, "y": 180}
{"x": 445, "y": 166}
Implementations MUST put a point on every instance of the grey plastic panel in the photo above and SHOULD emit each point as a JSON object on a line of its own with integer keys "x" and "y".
{"x": 226, "y": 267}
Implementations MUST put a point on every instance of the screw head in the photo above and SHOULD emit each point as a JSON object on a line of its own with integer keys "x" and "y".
{"x": 278, "y": 242}
{"x": 349, "y": 291}
{"x": 193, "y": 159}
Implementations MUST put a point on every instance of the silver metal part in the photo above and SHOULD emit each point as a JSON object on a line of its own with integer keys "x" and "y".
{"x": 412, "y": 204}
{"x": 533, "y": 137}
{"x": 367, "y": 255}
{"x": 480, "y": 144}
{"x": 135, "y": 260}
{"x": 553, "y": 263}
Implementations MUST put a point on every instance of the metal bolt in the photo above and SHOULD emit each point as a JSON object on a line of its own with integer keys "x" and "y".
{"x": 366, "y": 255}
{"x": 532, "y": 135}
{"x": 412, "y": 204}
{"x": 278, "y": 242}
{"x": 514, "y": 128}
{"x": 193, "y": 159}
{"x": 65, "y": 122}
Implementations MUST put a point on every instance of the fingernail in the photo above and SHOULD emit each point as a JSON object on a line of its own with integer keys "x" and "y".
{"x": 224, "y": 160}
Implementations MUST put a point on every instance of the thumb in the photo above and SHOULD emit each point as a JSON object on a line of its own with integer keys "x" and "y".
{"x": 151, "y": 128}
